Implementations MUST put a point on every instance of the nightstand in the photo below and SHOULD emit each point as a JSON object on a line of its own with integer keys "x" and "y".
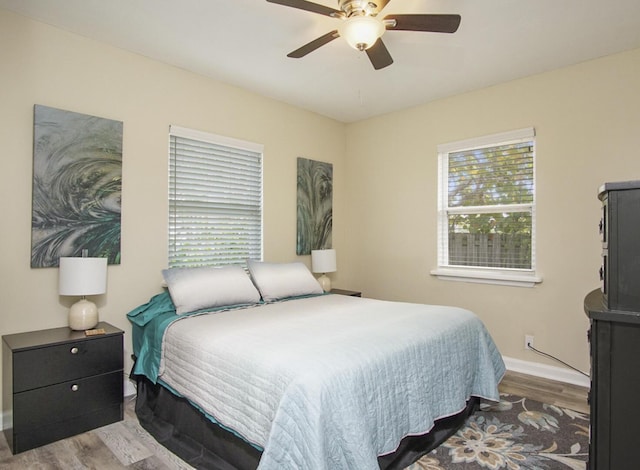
{"x": 58, "y": 382}
{"x": 352, "y": 293}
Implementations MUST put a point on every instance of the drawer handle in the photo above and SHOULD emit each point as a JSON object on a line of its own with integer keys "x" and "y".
{"x": 74, "y": 350}
{"x": 74, "y": 388}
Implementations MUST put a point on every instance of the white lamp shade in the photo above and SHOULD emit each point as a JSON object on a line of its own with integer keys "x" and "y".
{"x": 361, "y": 32}
{"x": 82, "y": 276}
{"x": 323, "y": 261}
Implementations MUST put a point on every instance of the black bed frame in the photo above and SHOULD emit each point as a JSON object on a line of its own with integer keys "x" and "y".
{"x": 180, "y": 427}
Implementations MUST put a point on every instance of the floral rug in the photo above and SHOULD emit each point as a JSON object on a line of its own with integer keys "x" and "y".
{"x": 517, "y": 433}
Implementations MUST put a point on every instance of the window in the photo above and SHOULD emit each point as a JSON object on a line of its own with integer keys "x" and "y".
{"x": 215, "y": 199}
{"x": 486, "y": 209}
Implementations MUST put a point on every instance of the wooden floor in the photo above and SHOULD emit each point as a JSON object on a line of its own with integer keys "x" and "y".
{"x": 125, "y": 445}
{"x": 560, "y": 394}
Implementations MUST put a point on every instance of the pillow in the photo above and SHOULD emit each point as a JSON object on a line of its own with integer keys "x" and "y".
{"x": 280, "y": 280}
{"x": 193, "y": 289}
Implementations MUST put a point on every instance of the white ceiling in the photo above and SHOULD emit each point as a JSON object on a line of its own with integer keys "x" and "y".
{"x": 245, "y": 43}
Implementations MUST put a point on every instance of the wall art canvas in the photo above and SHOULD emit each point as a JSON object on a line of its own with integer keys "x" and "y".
{"x": 77, "y": 186}
{"x": 315, "y": 206}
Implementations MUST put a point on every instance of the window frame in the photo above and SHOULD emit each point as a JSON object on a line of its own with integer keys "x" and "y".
{"x": 487, "y": 275}
{"x": 232, "y": 145}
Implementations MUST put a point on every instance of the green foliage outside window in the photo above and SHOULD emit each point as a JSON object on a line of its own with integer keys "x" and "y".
{"x": 495, "y": 176}
{"x": 490, "y": 199}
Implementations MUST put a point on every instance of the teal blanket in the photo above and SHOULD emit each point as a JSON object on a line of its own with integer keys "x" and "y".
{"x": 149, "y": 322}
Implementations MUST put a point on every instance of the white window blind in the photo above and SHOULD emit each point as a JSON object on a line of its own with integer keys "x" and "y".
{"x": 486, "y": 207}
{"x": 215, "y": 199}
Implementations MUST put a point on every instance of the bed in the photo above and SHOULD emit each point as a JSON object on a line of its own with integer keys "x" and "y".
{"x": 269, "y": 372}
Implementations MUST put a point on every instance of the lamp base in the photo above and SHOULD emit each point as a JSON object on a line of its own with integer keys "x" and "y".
{"x": 325, "y": 282}
{"x": 83, "y": 315}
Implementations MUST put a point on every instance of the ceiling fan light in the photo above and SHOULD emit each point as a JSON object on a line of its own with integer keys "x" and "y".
{"x": 361, "y": 32}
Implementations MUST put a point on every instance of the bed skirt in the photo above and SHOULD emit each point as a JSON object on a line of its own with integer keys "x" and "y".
{"x": 184, "y": 430}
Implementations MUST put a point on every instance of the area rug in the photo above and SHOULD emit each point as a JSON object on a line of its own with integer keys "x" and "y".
{"x": 515, "y": 434}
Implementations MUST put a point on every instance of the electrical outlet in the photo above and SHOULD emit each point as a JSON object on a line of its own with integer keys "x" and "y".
{"x": 528, "y": 341}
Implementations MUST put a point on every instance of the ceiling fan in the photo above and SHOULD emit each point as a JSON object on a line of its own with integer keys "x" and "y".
{"x": 362, "y": 28}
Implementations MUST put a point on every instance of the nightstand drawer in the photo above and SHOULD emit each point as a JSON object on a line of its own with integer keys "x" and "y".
{"x": 40, "y": 435}
{"x": 50, "y": 365}
{"x": 65, "y": 401}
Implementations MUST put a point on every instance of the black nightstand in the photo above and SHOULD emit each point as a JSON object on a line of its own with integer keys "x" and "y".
{"x": 352, "y": 293}
{"x": 57, "y": 383}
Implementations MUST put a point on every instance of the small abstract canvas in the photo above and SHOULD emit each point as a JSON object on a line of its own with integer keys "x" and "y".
{"x": 315, "y": 206}
{"x": 77, "y": 186}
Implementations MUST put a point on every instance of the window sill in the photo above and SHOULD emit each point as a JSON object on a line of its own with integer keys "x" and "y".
{"x": 487, "y": 276}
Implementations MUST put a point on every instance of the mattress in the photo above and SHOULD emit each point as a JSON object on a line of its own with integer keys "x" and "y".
{"x": 330, "y": 380}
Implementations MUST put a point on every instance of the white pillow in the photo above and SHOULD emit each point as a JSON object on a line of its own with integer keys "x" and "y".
{"x": 280, "y": 280}
{"x": 197, "y": 288}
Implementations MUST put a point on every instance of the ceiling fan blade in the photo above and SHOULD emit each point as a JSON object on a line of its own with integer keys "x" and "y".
{"x": 379, "y": 55}
{"x": 313, "y": 45}
{"x": 308, "y": 6}
{"x": 429, "y": 23}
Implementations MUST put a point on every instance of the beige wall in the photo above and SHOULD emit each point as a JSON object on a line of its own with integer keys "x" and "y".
{"x": 587, "y": 119}
{"x": 43, "y": 65}
{"x": 385, "y": 179}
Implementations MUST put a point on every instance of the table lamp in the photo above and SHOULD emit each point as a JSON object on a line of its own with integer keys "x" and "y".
{"x": 323, "y": 261}
{"x": 82, "y": 277}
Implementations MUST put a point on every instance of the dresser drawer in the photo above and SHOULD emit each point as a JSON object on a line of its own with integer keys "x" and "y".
{"x": 40, "y": 367}
{"x": 67, "y": 400}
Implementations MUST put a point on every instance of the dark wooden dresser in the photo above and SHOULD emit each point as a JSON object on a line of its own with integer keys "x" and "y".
{"x": 614, "y": 313}
{"x": 58, "y": 382}
{"x": 615, "y": 386}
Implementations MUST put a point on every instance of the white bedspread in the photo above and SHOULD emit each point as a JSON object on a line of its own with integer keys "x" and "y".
{"x": 331, "y": 382}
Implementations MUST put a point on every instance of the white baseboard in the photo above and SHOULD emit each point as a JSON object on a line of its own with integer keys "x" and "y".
{"x": 129, "y": 388}
{"x": 546, "y": 371}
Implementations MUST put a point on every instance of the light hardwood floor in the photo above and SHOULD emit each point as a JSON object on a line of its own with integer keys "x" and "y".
{"x": 125, "y": 445}
{"x": 560, "y": 394}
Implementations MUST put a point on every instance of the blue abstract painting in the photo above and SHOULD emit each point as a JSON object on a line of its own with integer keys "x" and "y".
{"x": 77, "y": 186}
{"x": 315, "y": 206}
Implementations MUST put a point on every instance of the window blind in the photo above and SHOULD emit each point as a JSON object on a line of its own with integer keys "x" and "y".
{"x": 487, "y": 202}
{"x": 215, "y": 200}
